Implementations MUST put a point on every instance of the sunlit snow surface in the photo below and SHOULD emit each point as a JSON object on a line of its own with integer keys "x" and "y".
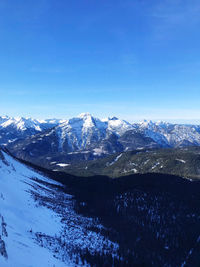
{"x": 21, "y": 215}
{"x": 38, "y": 226}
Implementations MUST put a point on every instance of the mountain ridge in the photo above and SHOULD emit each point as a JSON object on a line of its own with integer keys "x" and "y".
{"x": 82, "y": 138}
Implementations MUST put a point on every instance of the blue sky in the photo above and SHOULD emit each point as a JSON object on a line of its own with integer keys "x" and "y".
{"x": 134, "y": 59}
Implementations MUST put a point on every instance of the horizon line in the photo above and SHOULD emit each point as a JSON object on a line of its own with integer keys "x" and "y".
{"x": 180, "y": 121}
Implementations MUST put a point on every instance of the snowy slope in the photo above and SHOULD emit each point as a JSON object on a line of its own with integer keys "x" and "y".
{"x": 38, "y": 226}
{"x": 21, "y": 215}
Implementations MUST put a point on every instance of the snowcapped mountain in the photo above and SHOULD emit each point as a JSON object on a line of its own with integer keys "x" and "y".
{"x": 85, "y": 132}
{"x": 80, "y": 138}
{"x": 38, "y": 225}
{"x": 118, "y": 126}
{"x": 21, "y": 123}
{"x": 81, "y": 132}
{"x": 12, "y": 129}
{"x": 52, "y": 142}
{"x": 171, "y": 135}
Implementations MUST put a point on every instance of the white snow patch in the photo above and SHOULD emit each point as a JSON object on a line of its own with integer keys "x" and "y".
{"x": 155, "y": 165}
{"x": 53, "y": 162}
{"x": 116, "y": 159}
{"x": 181, "y": 160}
{"x": 63, "y": 164}
{"x": 99, "y": 151}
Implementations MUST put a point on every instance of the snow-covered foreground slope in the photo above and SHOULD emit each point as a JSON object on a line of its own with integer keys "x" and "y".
{"x": 38, "y": 225}
{"x": 21, "y": 217}
{"x": 152, "y": 220}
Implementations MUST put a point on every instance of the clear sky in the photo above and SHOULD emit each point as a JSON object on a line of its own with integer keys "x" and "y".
{"x": 134, "y": 59}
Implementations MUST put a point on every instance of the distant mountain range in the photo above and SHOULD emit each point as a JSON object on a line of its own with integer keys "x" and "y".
{"x": 12, "y": 129}
{"x": 52, "y": 143}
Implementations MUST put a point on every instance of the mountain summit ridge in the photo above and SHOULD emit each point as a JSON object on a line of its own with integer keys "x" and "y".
{"x": 86, "y": 137}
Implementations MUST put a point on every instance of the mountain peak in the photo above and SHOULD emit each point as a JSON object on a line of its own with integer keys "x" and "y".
{"x": 84, "y": 115}
{"x": 147, "y": 123}
{"x": 113, "y": 119}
